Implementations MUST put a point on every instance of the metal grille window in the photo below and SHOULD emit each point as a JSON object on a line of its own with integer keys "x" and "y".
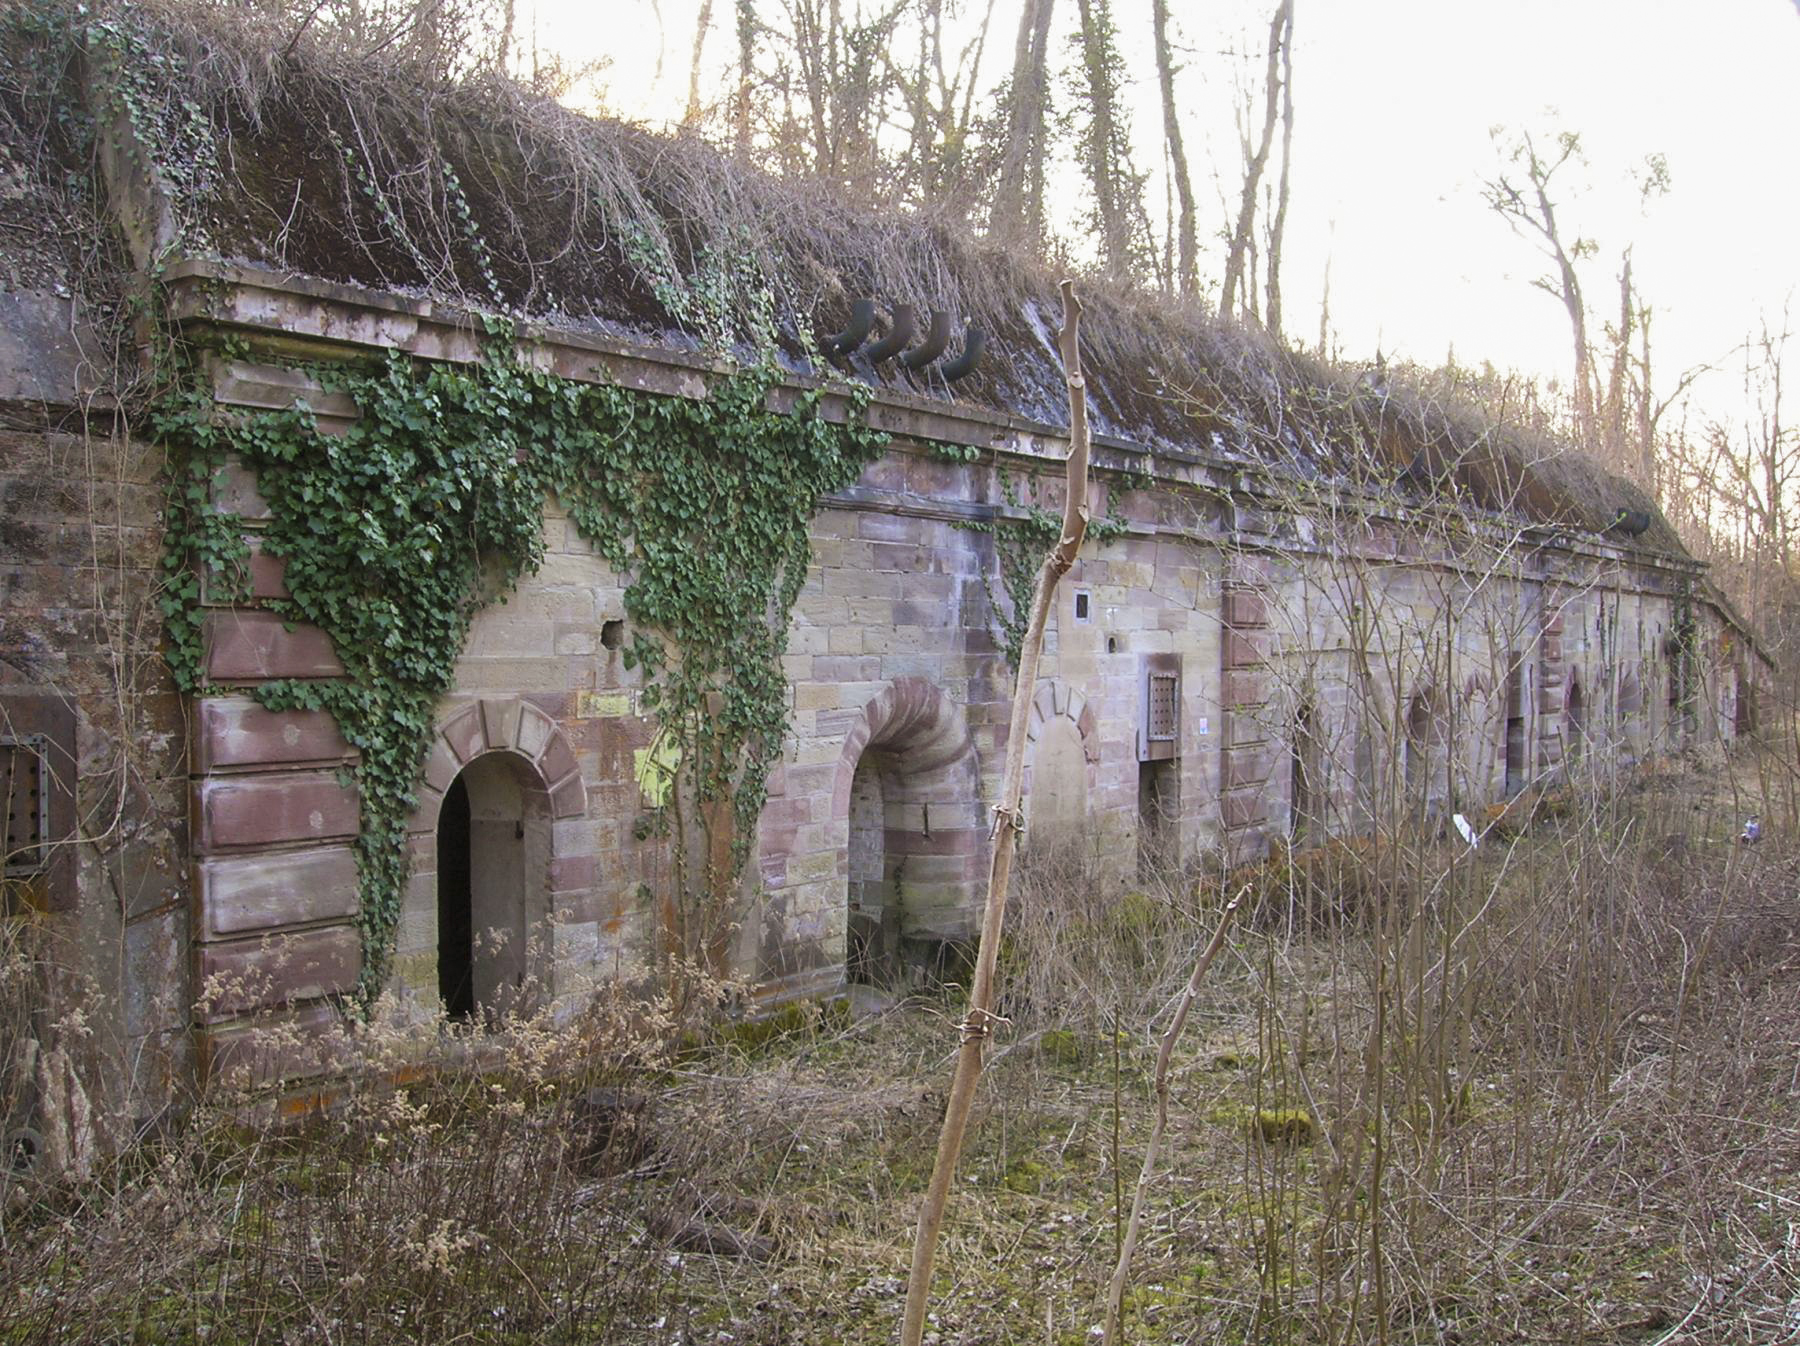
{"x": 1162, "y": 720}
{"x": 23, "y": 787}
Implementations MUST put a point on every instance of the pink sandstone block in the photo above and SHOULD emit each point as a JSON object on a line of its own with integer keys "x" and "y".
{"x": 274, "y": 971}
{"x": 1245, "y": 607}
{"x": 1241, "y": 650}
{"x": 233, "y": 731}
{"x": 244, "y": 645}
{"x": 238, "y": 894}
{"x": 235, "y": 811}
{"x": 271, "y": 1047}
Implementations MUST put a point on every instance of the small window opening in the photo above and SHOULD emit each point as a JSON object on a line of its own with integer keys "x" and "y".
{"x": 22, "y": 786}
{"x": 1081, "y": 606}
{"x": 1112, "y": 644}
{"x": 612, "y": 634}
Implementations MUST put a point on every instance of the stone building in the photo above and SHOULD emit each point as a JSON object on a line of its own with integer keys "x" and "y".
{"x": 1317, "y": 606}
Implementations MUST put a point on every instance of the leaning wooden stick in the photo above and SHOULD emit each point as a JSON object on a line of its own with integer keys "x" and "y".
{"x": 1115, "y": 1295}
{"x": 979, "y": 1021}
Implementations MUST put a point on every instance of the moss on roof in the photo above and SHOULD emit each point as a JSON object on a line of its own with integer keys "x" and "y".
{"x": 283, "y": 153}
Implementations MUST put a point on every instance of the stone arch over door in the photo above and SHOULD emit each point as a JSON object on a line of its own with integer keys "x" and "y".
{"x": 499, "y": 776}
{"x": 1061, "y": 764}
{"x": 908, "y": 824}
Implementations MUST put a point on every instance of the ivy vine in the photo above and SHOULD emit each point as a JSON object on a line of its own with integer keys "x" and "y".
{"x": 397, "y": 531}
{"x": 1022, "y": 539}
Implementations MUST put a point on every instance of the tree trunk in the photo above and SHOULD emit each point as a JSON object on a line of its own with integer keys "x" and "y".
{"x": 1256, "y": 158}
{"x": 1107, "y": 164}
{"x": 691, "y": 119}
{"x": 1278, "y": 227}
{"x": 980, "y": 1019}
{"x": 1019, "y": 192}
{"x": 746, "y": 33}
{"x": 1187, "y": 258}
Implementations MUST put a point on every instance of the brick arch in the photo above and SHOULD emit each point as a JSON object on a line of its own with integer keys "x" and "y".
{"x": 507, "y": 731}
{"x": 1057, "y": 704}
{"x": 500, "y": 724}
{"x": 935, "y": 822}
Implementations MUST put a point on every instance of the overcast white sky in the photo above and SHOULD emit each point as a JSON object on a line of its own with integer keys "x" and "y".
{"x": 1394, "y": 101}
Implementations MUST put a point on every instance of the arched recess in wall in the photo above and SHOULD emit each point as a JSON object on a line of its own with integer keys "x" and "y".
{"x": 1575, "y": 720}
{"x": 475, "y": 934}
{"x": 1423, "y": 749}
{"x": 908, "y": 822}
{"x": 1631, "y": 708}
{"x": 1061, "y": 760}
{"x": 1309, "y": 784}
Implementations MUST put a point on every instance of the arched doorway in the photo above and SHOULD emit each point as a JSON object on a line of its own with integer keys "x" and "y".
{"x": 1575, "y": 715}
{"x": 493, "y": 848}
{"x": 1307, "y": 792}
{"x": 908, "y": 800}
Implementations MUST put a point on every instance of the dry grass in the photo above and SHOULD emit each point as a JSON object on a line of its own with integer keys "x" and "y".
{"x": 1543, "y": 1093}
{"x": 291, "y": 146}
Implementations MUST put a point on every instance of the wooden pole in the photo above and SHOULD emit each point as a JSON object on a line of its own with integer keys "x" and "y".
{"x": 978, "y": 1023}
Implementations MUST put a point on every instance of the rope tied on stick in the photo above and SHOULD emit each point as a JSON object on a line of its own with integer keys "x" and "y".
{"x": 1006, "y": 818}
{"x": 980, "y": 1024}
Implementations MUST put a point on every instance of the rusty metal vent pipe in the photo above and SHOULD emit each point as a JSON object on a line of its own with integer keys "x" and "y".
{"x": 974, "y": 342}
{"x": 937, "y": 336}
{"x": 900, "y": 331}
{"x": 862, "y": 318}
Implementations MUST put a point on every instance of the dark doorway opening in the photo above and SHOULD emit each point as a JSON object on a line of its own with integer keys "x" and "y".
{"x": 456, "y": 933}
{"x": 1577, "y": 721}
{"x": 873, "y": 953}
{"x": 1514, "y": 747}
{"x": 1159, "y": 812}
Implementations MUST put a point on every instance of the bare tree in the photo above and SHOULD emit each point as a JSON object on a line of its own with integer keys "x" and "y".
{"x": 1106, "y": 140}
{"x": 1018, "y": 205}
{"x": 747, "y": 31}
{"x": 1256, "y": 159}
{"x": 702, "y": 25}
{"x": 979, "y": 1022}
{"x": 1187, "y": 264}
{"x": 1523, "y": 194}
{"x": 1278, "y": 221}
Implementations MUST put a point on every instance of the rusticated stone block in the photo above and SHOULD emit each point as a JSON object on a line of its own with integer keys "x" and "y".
{"x": 465, "y": 734}
{"x": 500, "y": 722}
{"x": 1244, "y": 689}
{"x": 249, "y": 646}
{"x": 557, "y": 760}
{"x": 235, "y": 492}
{"x": 242, "y": 893}
{"x": 233, "y": 731}
{"x": 534, "y": 731}
{"x": 274, "y": 971}
{"x": 1245, "y": 607}
{"x": 271, "y": 1048}
{"x": 1245, "y": 767}
{"x": 235, "y": 811}
{"x": 264, "y": 576}
{"x": 1243, "y": 808}
{"x": 1240, "y": 650}
{"x": 568, "y": 797}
